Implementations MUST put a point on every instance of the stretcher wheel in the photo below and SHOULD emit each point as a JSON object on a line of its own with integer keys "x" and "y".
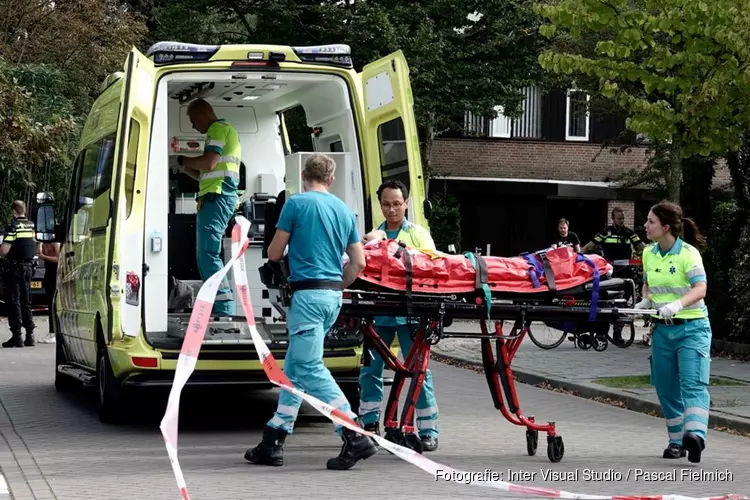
{"x": 600, "y": 344}
{"x": 584, "y": 341}
{"x": 532, "y": 440}
{"x": 555, "y": 448}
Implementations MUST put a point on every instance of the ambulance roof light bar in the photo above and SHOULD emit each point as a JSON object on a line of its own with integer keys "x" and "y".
{"x": 175, "y": 52}
{"x": 337, "y": 54}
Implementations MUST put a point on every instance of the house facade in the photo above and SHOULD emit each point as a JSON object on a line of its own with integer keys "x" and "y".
{"x": 515, "y": 178}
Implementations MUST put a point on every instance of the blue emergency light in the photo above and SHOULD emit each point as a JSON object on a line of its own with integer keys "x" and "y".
{"x": 338, "y": 54}
{"x": 174, "y": 52}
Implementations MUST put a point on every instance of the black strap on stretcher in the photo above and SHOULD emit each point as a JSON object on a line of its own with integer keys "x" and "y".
{"x": 409, "y": 275}
{"x": 548, "y": 273}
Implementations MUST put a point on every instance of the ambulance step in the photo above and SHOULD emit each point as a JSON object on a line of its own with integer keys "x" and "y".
{"x": 85, "y": 377}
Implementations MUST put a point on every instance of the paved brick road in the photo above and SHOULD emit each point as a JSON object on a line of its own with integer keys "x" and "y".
{"x": 54, "y": 447}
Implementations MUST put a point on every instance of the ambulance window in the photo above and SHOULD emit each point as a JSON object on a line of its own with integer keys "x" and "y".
{"x": 98, "y": 161}
{"x": 131, "y": 165}
{"x": 394, "y": 163}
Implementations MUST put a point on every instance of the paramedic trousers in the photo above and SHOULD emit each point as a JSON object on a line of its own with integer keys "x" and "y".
{"x": 311, "y": 314}
{"x": 371, "y": 384}
{"x": 211, "y": 224}
{"x": 680, "y": 368}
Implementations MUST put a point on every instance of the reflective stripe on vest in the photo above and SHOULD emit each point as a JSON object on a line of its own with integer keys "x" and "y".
{"x": 228, "y": 167}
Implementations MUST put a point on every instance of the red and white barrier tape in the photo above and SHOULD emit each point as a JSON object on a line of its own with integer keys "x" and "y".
{"x": 191, "y": 349}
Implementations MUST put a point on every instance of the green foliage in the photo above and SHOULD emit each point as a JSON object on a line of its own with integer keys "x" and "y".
{"x": 456, "y": 64}
{"x": 39, "y": 132}
{"x": 677, "y": 68}
{"x": 445, "y": 223}
{"x": 719, "y": 263}
{"x": 739, "y": 289}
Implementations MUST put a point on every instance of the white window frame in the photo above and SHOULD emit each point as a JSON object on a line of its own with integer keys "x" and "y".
{"x": 496, "y": 124}
{"x": 569, "y": 137}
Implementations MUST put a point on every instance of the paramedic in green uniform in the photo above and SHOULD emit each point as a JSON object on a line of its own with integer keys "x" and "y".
{"x": 218, "y": 173}
{"x": 675, "y": 285}
{"x": 393, "y": 196}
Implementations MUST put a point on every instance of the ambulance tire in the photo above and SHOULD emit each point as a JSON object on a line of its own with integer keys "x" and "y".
{"x": 109, "y": 389}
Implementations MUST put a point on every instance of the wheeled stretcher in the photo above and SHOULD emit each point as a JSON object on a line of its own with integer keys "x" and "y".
{"x": 557, "y": 287}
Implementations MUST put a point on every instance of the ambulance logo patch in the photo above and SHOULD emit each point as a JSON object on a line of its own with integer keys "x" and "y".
{"x": 672, "y": 270}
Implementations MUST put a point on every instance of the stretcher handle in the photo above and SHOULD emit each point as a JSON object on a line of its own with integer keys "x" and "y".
{"x": 637, "y": 312}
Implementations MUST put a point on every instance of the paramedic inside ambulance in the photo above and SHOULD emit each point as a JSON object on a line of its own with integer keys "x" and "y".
{"x": 393, "y": 196}
{"x": 217, "y": 171}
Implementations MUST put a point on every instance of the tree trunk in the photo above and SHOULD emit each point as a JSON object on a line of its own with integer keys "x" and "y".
{"x": 426, "y": 153}
{"x": 739, "y": 171}
{"x": 674, "y": 172}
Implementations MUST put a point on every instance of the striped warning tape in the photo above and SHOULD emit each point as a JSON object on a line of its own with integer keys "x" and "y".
{"x": 189, "y": 356}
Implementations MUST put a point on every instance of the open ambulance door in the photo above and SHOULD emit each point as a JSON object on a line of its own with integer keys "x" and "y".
{"x": 127, "y": 242}
{"x": 390, "y": 130}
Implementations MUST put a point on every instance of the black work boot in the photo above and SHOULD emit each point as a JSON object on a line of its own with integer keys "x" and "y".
{"x": 356, "y": 447}
{"x": 270, "y": 451}
{"x": 429, "y": 443}
{"x": 375, "y": 429}
{"x": 30, "y": 340}
{"x": 674, "y": 451}
{"x": 694, "y": 446}
{"x": 14, "y": 341}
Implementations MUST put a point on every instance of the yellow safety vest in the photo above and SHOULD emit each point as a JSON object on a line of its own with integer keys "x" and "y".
{"x": 413, "y": 236}
{"x": 223, "y": 139}
{"x": 669, "y": 276}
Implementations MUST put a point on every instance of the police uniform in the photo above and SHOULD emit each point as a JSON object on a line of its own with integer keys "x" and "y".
{"x": 681, "y": 351}
{"x": 616, "y": 242}
{"x": 17, "y": 270}
{"x": 387, "y": 327}
{"x": 217, "y": 198}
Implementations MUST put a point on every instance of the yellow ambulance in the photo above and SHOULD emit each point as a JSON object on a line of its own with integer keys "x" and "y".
{"x": 129, "y": 222}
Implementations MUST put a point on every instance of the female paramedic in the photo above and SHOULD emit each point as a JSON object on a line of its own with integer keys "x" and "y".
{"x": 674, "y": 283}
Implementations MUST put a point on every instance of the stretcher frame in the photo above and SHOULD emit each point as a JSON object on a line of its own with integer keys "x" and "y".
{"x": 433, "y": 312}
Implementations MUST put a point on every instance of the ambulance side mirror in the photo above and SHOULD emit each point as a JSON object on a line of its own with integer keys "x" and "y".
{"x": 427, "y": 208}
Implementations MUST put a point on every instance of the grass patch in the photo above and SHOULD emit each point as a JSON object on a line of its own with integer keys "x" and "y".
{"x": 644, "y": 381}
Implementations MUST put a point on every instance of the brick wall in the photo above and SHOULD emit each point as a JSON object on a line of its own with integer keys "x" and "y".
{"x": 531, "y": 160}
{"x": 628, "y": 207}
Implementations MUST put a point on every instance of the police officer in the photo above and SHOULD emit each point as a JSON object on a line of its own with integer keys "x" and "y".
{"x": 675, "y": 285}
{"x": 217, "y": 171}
{"x": 616, "y": 239}
{"x": 319, "y": 228}
{"x": 19, "y": 248}
{"x": 393, "y": 195}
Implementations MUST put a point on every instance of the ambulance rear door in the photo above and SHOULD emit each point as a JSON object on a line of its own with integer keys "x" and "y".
{"x": 127, "y": 269}
{"x": 391, "y": 143}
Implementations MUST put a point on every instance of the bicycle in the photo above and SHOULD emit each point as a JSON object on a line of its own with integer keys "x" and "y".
{"x": 626, "y": 269}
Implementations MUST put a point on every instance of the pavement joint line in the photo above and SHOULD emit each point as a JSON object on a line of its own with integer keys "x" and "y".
{"x": 6, "y": 419}
{"x": 594, "y": 393}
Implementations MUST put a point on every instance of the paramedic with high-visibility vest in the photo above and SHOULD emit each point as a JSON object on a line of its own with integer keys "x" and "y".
{"x": 393, "y": 196}
{"x": 675, "y": 285}
{"x": 217, "y": 171}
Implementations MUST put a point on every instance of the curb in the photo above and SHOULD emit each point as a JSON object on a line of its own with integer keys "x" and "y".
{"x": 587, "y": 392}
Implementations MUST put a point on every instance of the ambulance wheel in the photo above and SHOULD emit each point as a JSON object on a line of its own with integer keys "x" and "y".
{"x": 532, "y": 440}
{"x": 109, "y": 389}
{"x": 555, "y": 448}
{"x": 413, "y": 442}
{"x": 600, "y": 344}
{"x": 584, "y": 341}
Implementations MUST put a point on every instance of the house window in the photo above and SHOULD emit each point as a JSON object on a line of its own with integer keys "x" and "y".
{"x": 501, "y": 125}
{"x": 577, "y": 116}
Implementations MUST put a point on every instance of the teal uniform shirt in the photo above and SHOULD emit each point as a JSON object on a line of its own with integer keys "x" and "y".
{"x": 321, "y": 226}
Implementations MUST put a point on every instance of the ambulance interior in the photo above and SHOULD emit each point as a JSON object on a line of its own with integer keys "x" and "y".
{"x": 253, "y": 103}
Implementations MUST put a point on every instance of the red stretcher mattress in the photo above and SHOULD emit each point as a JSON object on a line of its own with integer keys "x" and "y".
{"x": 437, "y": 272}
